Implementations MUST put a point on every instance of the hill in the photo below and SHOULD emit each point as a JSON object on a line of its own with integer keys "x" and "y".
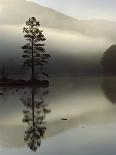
{"x": 17, "y": 12}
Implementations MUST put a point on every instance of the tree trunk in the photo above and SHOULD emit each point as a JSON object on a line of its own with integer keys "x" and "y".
{"x": 33, "y": 67}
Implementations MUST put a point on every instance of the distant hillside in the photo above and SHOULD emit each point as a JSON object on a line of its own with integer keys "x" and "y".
{"x": 76, "y": 46}
{"x": 17, "y": 11}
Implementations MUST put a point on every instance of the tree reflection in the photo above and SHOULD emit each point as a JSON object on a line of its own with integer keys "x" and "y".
{"x": 34, "y": 115}
{"x": 109, "y": 88}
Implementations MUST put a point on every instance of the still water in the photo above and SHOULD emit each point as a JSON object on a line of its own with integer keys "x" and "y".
{"x": 74, "y": 116}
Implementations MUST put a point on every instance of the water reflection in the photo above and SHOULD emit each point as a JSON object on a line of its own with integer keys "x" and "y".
{"x": 34, "y": 115}
{"x": 34, "y": 111}
{"x": 78, "y": 100}
{"x": 109, "y": 88}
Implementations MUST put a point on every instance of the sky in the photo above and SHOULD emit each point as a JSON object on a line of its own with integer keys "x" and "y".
{"x": 83, "y": 9}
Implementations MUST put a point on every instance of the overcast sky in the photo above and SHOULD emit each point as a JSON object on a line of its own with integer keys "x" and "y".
{"x": 84, "y": 9}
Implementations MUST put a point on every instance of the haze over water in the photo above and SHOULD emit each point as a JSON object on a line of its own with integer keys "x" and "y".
{"x": 76, "y": 112}
{"x": 90, "y": 122}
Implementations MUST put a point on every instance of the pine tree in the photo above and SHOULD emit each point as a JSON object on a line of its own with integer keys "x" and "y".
{"x": 34, "y": 52}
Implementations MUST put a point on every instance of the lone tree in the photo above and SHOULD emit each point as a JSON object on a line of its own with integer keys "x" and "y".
{"x": 34, "y": 52}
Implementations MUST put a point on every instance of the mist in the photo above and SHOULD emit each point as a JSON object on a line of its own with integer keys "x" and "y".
{"x": 11, "y": 14}
{"x": 68, "y": 39}
{"x": 65, "y": 47}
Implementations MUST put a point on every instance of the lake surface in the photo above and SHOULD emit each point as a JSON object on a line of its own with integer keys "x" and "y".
{"x": 74, "y": 116}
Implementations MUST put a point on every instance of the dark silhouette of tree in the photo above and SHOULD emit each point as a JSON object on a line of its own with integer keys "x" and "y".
{"x": 109, "y": 60}
{"x": 34, "y": 52}
{"x": 109, "y": 89}
{"x": 34, "y": 116}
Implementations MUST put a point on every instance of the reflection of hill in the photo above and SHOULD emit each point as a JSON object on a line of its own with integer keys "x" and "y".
{"x": 11, "y": 136}
{"x": 8, "y": 140}
{"x": 81, "y": 101}
{"x": 109, "y": 88}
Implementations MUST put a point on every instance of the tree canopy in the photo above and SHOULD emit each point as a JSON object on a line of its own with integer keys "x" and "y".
{"x": 34, "y": 51}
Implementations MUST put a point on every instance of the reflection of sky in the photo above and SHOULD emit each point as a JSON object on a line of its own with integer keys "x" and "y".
{"x": 83, "y": 8}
